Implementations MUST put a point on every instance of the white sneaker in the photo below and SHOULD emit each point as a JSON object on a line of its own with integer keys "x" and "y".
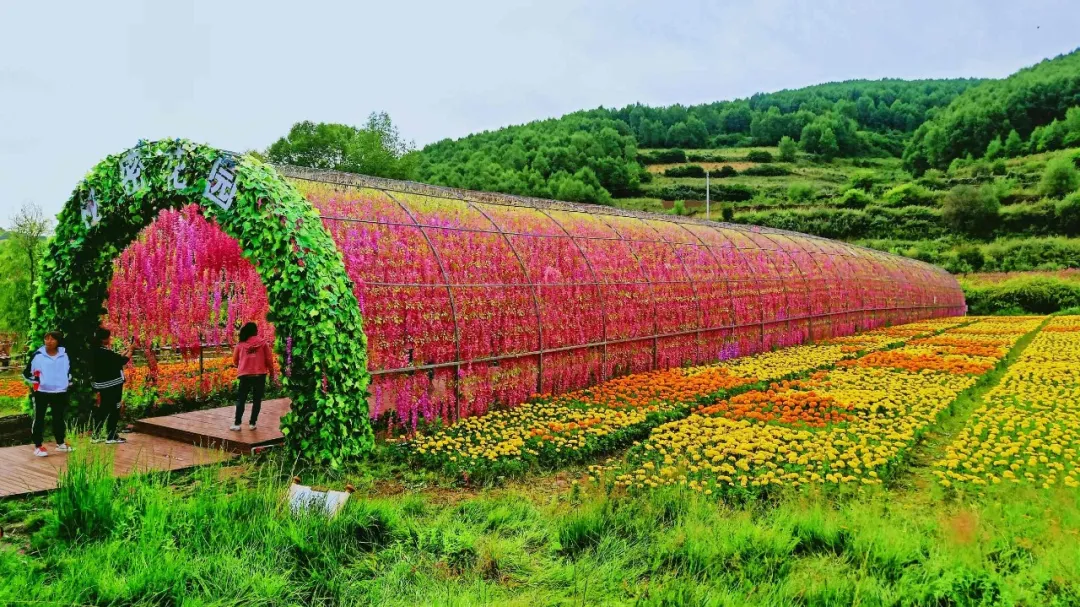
{"x": 41, "y": 452}
{"x": 116, "y": 441}
{"x": 235, "y": 427}
{"x": 251, "y": 426}
{"x": 64, "y": 448}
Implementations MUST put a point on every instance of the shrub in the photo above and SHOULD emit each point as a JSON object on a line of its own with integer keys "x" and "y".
{"x": 718, "y": 192}
{"x": 971, "y": 255}
{"x": 1060, "y": 178}
{"x": 1033, "y": 295}
{"x": 672, "y": 156}
{"x": 909, "y": 194}
{"x": 685, "y": 170}
{"x": 971, "y": 211}
{"x": 1034, "y": 219}
{"x": 1067, "y": 213}
{"x": 679, "y": 208}
{"x": 727, "y": 211}
{"x": 726, "y": 171}
{"x": 788, "y": 149}
{"x": 759, "y": 156}
{"x": 999, "y": 167}
{"x": 863, "y": 180}
{"x": 933, "y": 179}
{"x": 703, "y": 157}
{"x": 854, "y": 199}
{"x": 768, "y": 170}
{"x": 801, "y": 192}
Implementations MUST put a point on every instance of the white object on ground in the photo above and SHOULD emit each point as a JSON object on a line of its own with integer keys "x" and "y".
{"x": 302, "y": 497}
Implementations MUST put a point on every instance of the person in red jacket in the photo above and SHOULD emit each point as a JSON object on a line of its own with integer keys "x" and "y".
{"x": 254, "y": 362}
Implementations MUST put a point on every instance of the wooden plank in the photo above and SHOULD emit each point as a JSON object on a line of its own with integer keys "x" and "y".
{"x": 23, "y": 474}
{"x": 210, "y": 428}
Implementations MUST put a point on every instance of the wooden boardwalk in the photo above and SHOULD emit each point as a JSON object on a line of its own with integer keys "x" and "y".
{"x": 23, "y": 474}
{"x": 172, "y": 442}
{"x": 210, "y": 428}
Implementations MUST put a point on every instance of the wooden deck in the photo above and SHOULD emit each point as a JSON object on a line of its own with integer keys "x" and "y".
{"x": 23, "y": 474}
{"x": 210, "y": 428}
{"x": 172, "y": 442}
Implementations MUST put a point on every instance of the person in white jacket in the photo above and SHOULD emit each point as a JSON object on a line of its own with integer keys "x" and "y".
{"x": 49, "y": 374}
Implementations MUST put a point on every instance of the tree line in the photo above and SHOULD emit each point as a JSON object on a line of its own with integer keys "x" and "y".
{"x": 1027, "y": 112}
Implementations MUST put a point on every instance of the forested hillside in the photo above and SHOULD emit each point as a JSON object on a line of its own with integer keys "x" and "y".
{"x": 590, "y": 156}
{"x": 1027, "y": 112}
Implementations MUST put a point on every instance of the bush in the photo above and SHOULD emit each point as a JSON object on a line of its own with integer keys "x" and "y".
{"x": 672, "y": 156}
{"x": 788, "y": 149}
{"x": 727, "y": 212}
{"x": 971, "y": 211}
{"x": 972, "y": 256}
{"x": 759, "y": 156}
{"x": 801, "y": 192}
{"x": 909, "y": 194}
{"x": 1067, "y": 213}
{"x": 768, "y": 170}
{"x": 726, "y": 171}
{"x": 999, "y": 167}
{"x": 1033, "y": 295}
{"x": 703, "y": 157}
{"x": 1060, "y": 178}
{"x": 863, "y": 180}
{"x": 685, "y": 170}
{"x": 718, "y": 192}
{"x": 1025, "y": 254}
{"x": 854, "y": 199}
{"x": 679, "y": 208}
{"x": 1034, "y": 219}
{"x": 933, "y": 179}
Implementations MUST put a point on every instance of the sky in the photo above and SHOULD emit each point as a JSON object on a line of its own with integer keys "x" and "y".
{"x": 80, "y": 80}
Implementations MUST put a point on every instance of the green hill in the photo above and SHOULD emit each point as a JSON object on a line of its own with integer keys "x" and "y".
{"x": 1024, "y": 113}
{"x": 591, "y": 156}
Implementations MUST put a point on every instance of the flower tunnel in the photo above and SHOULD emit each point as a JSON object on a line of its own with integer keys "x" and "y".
{"x": 409, "y": 303}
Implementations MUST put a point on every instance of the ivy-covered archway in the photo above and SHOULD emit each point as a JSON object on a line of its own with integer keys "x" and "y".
{"x": 312, "y": 305}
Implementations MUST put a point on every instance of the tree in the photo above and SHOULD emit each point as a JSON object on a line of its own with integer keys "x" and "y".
{"x": 971, "y": 211}
{"x": 995, "y": 149}
{"x": 29, "y": 227}
{"x": 1060, "y": 178}
{"x": 787, "y": 149}
{"x": 375, "y": 149}
{"x": 1014, "y": 145}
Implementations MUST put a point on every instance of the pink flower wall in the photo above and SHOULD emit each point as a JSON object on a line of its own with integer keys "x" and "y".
{"x": 473, "y": 304}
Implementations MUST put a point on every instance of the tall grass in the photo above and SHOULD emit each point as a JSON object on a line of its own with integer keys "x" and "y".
{"x": 227, "y": 539}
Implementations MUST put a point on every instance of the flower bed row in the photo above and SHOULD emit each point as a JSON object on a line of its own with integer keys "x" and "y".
{"x": 1028, "y": 428}
{"x": 850, "y": 424}
{"x": 555, "y": 430}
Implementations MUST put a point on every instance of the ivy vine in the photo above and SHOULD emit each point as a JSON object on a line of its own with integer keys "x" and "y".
{"x": 311, "y": 297}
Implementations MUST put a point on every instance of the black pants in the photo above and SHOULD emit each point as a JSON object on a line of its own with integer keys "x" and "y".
{"x": 107, "y": 414}
{"x": 256, "y": 386}
{"x": 43, "y": 401}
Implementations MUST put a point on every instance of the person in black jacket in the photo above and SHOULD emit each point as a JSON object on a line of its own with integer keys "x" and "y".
{"x": 107, "y": 369}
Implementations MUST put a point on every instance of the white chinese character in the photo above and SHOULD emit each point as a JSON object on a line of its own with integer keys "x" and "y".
{"x": 131, "y": 168}
{"x": 90, "y": 213}
{"x": 179, "y": 165}
{"x": 221, "y": 184}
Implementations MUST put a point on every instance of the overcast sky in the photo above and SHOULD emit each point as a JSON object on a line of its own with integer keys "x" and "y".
{"x": 80, "y": 80}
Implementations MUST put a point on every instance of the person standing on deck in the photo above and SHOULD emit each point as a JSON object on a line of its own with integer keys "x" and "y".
{"x": 49, "y": 374}
{"x": 108, "y": 380}
{"x": 254, "y": 362}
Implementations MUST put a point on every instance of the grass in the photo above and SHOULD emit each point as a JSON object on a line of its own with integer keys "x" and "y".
{"x": 220, "y": 538}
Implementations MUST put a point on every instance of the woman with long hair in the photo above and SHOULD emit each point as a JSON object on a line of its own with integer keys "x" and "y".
{"x": 254, "y": 362}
